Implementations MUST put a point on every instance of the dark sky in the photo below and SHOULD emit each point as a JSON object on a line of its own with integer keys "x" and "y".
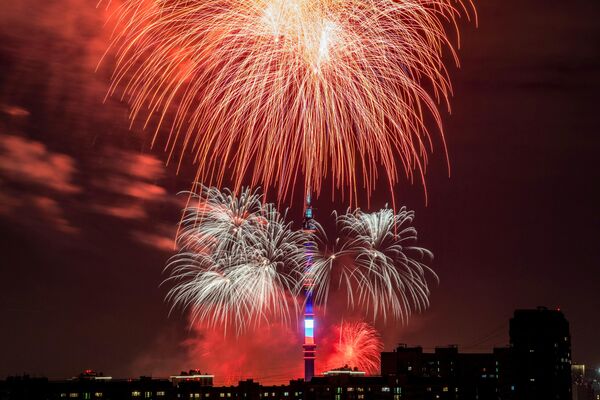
{"x": 88, "y": 209}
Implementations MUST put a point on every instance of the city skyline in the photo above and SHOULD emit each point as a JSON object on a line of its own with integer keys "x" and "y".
{"x": 536, "y": 365}
{"x": 88, "y": 210}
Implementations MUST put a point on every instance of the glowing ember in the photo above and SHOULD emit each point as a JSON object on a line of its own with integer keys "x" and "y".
{"x": 359, "y": 346}
{"x": 281, "y": 90}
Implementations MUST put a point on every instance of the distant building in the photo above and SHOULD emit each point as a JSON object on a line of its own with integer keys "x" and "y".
{"x": 536, "y": 366}
{"x": 448, "y": 374}
{"x": 541, "y": 351}
{"x": 345, "y": 370}
{"x": 193, "y": 376}
{"x": 583, "y": 385}
{"x": 23, "y": 387}
{"x": 91, "y": 375}
{"x": 351, "y": 386}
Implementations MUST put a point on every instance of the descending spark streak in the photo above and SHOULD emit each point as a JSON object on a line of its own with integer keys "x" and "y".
{"x": 359, "y": 346}
{"x": 240, "y": 261}
{"x": 278, "y": 89}
{"x": 376, "y": 263}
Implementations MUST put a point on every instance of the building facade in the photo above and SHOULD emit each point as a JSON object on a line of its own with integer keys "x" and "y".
{"x": 541, "y": 350}
{"x": 536, "y": 366}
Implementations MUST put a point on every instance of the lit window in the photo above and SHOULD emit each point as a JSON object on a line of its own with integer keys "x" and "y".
{"x": 161, "y": 393}
{"x": 147, "y": 395}
{"x": 286, "y": 393}
{"x": 351, "y": 389}
{"x": 63, "y": 395}
{"x": 73, "y": 395}
{"x": 385, "y": 389}
{"x": 221, "y": 394}
{"x": 98, "y": 394}
{"x": 135, "y": 393}
{"x": 87, "y": 396}
{"x": 445, "y": 389}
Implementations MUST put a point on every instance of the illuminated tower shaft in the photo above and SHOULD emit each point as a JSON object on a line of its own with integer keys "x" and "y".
{"x": 309, "y": 345}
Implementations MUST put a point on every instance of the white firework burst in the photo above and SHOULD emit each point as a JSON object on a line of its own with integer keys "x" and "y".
{"x": 239, "y": 263}
{"x": 375, "y": 261}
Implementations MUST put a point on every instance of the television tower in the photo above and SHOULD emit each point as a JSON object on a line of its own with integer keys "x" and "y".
{"x": 309, "y": 345}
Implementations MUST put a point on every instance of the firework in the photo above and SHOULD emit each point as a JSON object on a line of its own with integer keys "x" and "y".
{"x": 285, "y": 90}
{"x": 359, "y": 346}
{"x": 376, "y": 263}
{"x": 239, "y": 262}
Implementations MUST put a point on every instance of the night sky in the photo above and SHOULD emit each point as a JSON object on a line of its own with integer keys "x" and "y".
{"x": 88, "y": 210}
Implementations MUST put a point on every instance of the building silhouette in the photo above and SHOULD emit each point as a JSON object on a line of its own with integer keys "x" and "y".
{"x": 448, "y": 374}
{"x": 536, "y": 366}
{"x": 541, "y": 350}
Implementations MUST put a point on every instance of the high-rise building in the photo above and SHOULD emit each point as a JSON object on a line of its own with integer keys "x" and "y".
{"x": 536, "y": 366}
{"x": 448, "y": 374}
{"x": 541, "y": 351}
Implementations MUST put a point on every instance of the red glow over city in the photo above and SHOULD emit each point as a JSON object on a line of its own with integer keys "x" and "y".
{"x": 90, "y": 202}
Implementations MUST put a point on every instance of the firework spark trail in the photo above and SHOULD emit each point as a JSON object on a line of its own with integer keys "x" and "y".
{"x": 241, "y": 264}
{"x": 239, "y": 261}
{"x": 282, "y": 90}
{"x": 376, "y": 263}
{"x": 359, "y": 346}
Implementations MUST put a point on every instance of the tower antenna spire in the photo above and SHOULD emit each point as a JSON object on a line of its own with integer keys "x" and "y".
{"x": 309, "y": 345}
